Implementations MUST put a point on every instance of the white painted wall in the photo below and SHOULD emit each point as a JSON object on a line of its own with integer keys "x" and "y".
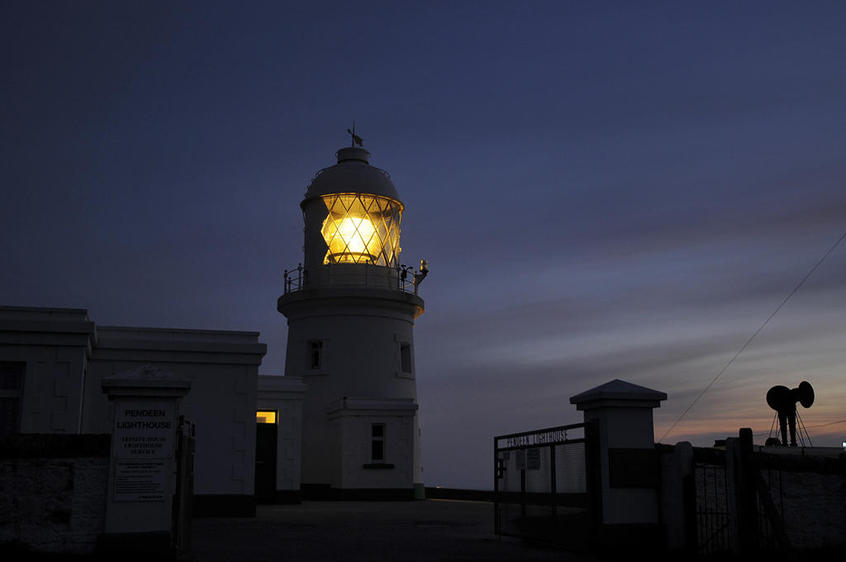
{"x": 223, "y": 370}
{"x": 623, "y": 413}
{"x": 55, "y": 344}
{"x": 361, "y": 331}
{"x": 285, "y": 396}
{"x": 67, "y": 357}
{"x": 627, "y": 428}
{"x": 352, "y": 420}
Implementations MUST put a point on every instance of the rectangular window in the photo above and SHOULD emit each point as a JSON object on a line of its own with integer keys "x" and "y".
{"x": 405, "y": 357}
{"x": 315, "y": 354}
{"x": 377, "y": 442}
{"x": 11, "y": 388}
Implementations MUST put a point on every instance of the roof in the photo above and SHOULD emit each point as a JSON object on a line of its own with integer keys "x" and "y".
{"x": 618, "y": 390}
{"x": 352, "y": 174}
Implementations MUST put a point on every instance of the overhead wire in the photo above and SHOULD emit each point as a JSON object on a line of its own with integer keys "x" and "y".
{"x": 827, "y": 424}
{"x": 752, "y": 337}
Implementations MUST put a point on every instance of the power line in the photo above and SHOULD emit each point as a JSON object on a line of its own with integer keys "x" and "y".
{"x": 752, "y": 337}
{"x": 806, "y": 427}
{"x": 826, "y": 424}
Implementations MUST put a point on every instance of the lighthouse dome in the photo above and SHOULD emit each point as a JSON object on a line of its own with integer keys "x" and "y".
{"x": 352, "y": 174}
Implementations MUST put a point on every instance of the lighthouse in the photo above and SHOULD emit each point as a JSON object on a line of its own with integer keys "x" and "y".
{"x": 350, "y": 307}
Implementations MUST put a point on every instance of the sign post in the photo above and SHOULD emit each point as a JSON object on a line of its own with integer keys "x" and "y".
{"x": 142, "y": 473}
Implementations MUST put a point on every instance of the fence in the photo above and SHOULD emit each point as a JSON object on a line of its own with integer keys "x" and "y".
{"x": 746, "y": 500}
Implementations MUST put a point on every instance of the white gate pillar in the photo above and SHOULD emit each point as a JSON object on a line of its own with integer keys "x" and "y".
{"x": 627, "y": 463}
{"x": 142, "y": 472}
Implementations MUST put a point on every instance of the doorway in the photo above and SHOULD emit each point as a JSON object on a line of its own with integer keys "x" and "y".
{"x": 266, "y": 431}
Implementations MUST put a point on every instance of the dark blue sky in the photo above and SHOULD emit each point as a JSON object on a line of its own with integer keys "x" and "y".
{"x": 603, "y": 190}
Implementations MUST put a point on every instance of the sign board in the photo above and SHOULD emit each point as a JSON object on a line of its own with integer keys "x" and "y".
{"x": 144, "y": 440}
{"x": 140, "y": 481}
{"x": 520, "y": 459}
{"x": 550, "y": 436}
{"x": 633, "y": 468}
{"x": 145, "y": 430}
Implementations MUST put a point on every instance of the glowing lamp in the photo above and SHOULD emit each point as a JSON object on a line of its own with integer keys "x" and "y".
{"x": 361, "y": 228}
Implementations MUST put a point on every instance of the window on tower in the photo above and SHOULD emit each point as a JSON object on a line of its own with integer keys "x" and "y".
{"x": 315, "y": 354}
{"x": 405, "y": 357}
{"x": 377, "y": 442}
{"x": 362, "y": 228}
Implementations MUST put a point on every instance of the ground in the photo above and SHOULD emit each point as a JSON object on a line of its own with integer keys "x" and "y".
{"x": 365, "y": 531}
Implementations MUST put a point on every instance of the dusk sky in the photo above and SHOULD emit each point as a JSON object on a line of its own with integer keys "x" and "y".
{"x": 602, "y": 190}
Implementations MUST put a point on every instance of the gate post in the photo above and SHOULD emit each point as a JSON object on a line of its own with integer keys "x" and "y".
{"x": 624, "y": 475}
{"x": 143, "y": 465}
{"x": 742, "y": 472}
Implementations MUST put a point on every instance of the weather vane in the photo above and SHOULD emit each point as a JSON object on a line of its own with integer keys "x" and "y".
{"x": 356, "y": 140}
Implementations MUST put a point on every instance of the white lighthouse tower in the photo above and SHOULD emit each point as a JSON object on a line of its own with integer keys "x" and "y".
{"x": 351, "y": 308}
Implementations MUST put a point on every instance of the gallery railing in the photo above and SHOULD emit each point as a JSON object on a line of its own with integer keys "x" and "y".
{"x": 400, "y": 278}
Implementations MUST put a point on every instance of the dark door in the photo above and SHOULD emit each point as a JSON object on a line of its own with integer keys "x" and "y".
{"x": 265, "y": 462}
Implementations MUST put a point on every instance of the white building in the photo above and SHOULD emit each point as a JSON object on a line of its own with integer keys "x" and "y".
{"x": 53, "y": 362}
{"x": 343, "y": 421}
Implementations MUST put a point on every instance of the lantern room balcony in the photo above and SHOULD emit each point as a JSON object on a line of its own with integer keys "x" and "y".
{"x": 363, "y": 275}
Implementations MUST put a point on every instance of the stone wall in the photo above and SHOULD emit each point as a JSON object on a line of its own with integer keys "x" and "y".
{"x": 53, "y": 491}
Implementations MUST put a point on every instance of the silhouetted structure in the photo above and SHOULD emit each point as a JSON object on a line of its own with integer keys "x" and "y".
{"x": 783, "y": 400}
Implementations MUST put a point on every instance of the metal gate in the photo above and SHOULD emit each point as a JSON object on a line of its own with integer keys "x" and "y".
{"x": 540, "y": 485}
{"x": 714, "y": 520}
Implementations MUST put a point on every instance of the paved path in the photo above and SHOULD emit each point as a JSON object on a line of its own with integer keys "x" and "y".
{"x": 365, "y": 531}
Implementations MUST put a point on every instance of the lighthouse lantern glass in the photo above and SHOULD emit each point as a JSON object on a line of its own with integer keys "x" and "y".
{"x": 361, "y": 228}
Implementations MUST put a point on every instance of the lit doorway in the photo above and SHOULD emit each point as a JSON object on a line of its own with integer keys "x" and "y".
{"x": 266, "y": 431}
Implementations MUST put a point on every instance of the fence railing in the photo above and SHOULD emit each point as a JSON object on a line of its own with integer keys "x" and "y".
{"x": 747, "y": 501}
{"x": 401, "y": 278}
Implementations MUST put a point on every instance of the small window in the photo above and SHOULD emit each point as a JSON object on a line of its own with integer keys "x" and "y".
{"x": 315, "y": 354}
{"x": 405, "y": 357}
{"x": 11, "y": 386}
{"x": 377, "y": 442}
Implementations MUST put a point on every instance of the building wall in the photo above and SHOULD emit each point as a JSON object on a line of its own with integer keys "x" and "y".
{"x": 285, "y": 396}
{"x": 351, "y": 421}
{"x": 54, "y": 345}
{"x": 66, "y": 358}
{"x": 223, "y": 370}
